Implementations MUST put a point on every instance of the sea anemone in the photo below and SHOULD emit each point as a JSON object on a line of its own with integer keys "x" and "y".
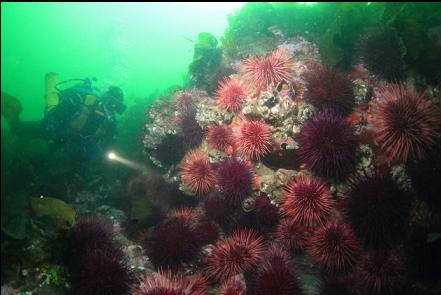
{"x": 377, "y": 209}
{"x": 165, "y": 283}
{"x": 197, "y": 173}
{"x": 101, "y": 271}
{"x": 231, "y": 94}
{"x": 334, "y": 246}
{"x": 253, "y": 139}
{"x": 276, "y": 275}
{"x": 327, "y": 145}
{"x": 307, "y": 201}
{"x": 328, "y": 88}
{"x": 220, "y": 137}
{"x": 292, "y": 235}
{"x": 238, "y": 253}
{"x": 268, "y": 70}
{"x": 379, "y": 273}
{"x": 407, "y": 125}
{"x": 381, "y": 52}
{"x": 233, "y": 286}
{"x": 235, "y": 180}
{"x": 172, "y": 244}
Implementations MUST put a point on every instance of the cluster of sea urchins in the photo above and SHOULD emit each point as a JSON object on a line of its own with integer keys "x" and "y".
{"x": 350, "y": 223}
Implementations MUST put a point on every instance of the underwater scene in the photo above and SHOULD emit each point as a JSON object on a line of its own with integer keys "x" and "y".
{"x": 261, "y": 148}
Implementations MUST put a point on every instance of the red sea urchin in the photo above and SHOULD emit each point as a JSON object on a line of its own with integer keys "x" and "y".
{"x": 165, "y": 283}
{"x": 307, "y": 201}
{"x": 377, "y": 209}
{"x": 231, "y": 94}
{"x": 379, "y": 273}
{"x": 197, "y": 173}
{"x": 253, "y": 139}
{"x": 238, "y": 253}
{"x": 407, "y": 125}
{"x": 334, "y": 246}
{"x": 220, "y": 137}
{"x": 235, "y": 180}
{"x": 327, "y": 145}
{"x": 276, "y": 275}
{"x": 263, "y": 71}
{"x": 327, "y": 88}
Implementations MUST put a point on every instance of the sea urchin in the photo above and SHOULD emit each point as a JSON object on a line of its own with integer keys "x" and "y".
{"x": 327, "y": 145}
{"x": 238, "y": 253}
{"x": 307, "y": 201}
{"x": 263, "y": 71}
{"x": 197, "y": 173}
{"x": 231, "y": 94}
{"x": 334, "y": 246}
{"x": 253, "y": 139}
{"x": 407, "y": 125}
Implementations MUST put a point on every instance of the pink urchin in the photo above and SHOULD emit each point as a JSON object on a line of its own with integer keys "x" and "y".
{"x": 165, "y": 283}
{"x": 197, "y": 173}
{"x": 231, "y": 94}
{"x": 407, "y": 125}
{"x": 307, "y": 201}
{"x": 334, "y": 246}
{"x": 220, "y": 137}
{"x": 263, "y": 71}
{"x": 238, "y": 253}
{"x": 253, "y": 139}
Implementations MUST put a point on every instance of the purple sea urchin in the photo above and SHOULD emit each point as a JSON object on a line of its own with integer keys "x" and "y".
{"x": 235, "y": 180}
{"x": 382, "y": 54}
{"x": 327, "y": 145}
{"x": 276, "y": 275}
{"x": 328, "y": 88}
{"x": 377, "y": 209}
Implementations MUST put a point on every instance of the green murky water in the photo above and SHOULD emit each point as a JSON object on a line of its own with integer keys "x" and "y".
{"x": 221, "y": 148}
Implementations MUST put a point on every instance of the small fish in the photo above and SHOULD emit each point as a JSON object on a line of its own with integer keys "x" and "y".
{"x": 57, "y": 210}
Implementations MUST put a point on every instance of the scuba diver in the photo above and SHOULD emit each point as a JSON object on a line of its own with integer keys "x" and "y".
{"x": 76, "y": 119}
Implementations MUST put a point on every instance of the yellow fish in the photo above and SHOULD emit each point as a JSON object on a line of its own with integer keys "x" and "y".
{"x": 58, "y": 211}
